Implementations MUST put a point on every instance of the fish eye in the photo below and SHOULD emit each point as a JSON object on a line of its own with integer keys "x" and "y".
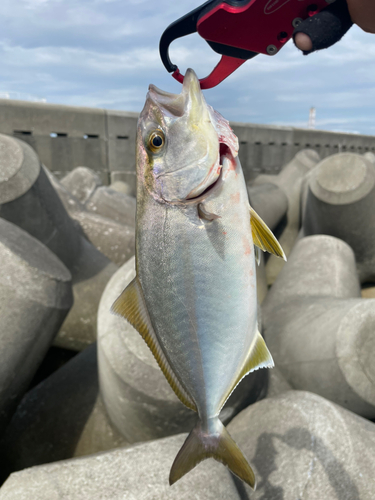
{"x": 156, "y": 141}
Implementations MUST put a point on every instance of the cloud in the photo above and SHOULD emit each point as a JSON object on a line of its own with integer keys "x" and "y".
{"x": 104, "y": 53}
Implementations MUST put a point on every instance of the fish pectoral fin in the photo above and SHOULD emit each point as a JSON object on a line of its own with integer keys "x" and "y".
{"x": 263, "y": 237}
{"x": 258, "y": 357}
{"x": 132, "y": 306}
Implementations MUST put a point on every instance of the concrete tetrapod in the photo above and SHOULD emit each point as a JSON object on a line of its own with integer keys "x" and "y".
{"x": 341, "y": 202}
{"x": 299, "y": 444}
{"x": 116, "y": 241}
{"x": 318, "y": 329}
{"x": 113, "y": 205}
{"x": 36, "y": 208}
{"x": 289, "y": 180}
{"x": 35, "y": 297}
{"x": 121, "y": 187}
{"x": 270, "y": 202}
{"x": 64, "y": 417}
{"x": 135, "y": 473}
{"x": 81, "y": 182}
{"x": 85, "y": 185}
{"x": 61, "y": 418}
{"x": 370, "y": 156}
{"x": 302, "y": 446}
{"x": 137, "y": 397}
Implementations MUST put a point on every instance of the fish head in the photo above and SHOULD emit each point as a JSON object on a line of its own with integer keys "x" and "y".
{"x": 180, "y": 143}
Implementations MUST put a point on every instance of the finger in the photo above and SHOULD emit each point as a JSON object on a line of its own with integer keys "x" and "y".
{"x": 303, "y": 42}
{"x": 323, "y": 29}
{"x": 362, "y": 13}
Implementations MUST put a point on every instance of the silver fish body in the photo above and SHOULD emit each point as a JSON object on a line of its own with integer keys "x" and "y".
{"x": 194, "y": 297}
{"x": 199, "y": 283}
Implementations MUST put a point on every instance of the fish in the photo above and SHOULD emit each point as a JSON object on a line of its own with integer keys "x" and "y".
{"x": 193, "y": 299}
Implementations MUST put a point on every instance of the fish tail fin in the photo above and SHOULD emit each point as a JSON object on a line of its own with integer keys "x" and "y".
{"x": 216, "y": 442}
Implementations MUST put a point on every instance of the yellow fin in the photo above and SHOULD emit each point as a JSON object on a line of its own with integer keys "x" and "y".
{"x": 131, "y": 305}
{"x": 263, "y": 237}
{"x": 259, "y": 357}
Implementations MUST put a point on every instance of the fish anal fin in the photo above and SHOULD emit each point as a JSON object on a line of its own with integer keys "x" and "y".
{"x": 131, "y": 305}
{"x": 258, "y": 357}
{"x": 216, "y": 443}
{"x": 263, "y": 237}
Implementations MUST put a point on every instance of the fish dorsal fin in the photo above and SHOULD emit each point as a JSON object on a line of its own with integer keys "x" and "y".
{"x": 131, "y": 305}
{"x": 259, "y": 357}
{"x": 263, "y": 237}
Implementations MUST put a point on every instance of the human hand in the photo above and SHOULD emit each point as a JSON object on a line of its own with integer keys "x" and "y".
{"x": 328, "y": 27}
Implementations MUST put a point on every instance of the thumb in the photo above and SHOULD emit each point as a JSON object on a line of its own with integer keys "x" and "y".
{"x": 323, "y": 29}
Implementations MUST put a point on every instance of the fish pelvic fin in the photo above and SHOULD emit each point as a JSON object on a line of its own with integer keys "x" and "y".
{"x": 132, "y": 306}
{"x": 211, "y": 442}
{"x": 263, "y": 237}
{"x": 258, "y": 357}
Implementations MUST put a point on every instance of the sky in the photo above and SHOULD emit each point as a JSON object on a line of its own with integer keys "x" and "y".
{"x": 104, "y": 53}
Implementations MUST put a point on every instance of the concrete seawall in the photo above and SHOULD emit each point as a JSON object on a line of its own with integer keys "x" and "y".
{"x": 65, "y": 137}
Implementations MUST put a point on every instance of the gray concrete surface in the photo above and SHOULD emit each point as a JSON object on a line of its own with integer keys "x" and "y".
{"x": 260, "y": 200}
{"x": 136, "y": 473}
{"x": 262, "y": 287}
{"x": 289, "y": 181}
{"x": 35, "y": 297}
{"x": 104, "y": 140}
{"x": 64, "y": 417}
{"x": 302, "y": 446}
{"x": 319, "y": 329}
{"x": 91, "y": 273}
{"x": 121, "y": 187}
{"x": 81, "y": 182}
{"x": 40, "y": 212}
{"x": 61, "y": 418}
{"x": 341, "y": 203}
{"x": 299, "y": 444}
{"x": 114, "y": 240}
{"x": 19, "y": 168}
{"x": 137, "y": 397}
{"x": 276, "y": 383}
{"x": 109, "y": 203}
{"x": 370, "y": 156}
{"x": 269, "y": 201}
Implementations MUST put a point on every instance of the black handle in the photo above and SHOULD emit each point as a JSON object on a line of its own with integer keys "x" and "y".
{"x": 186, "y": 25}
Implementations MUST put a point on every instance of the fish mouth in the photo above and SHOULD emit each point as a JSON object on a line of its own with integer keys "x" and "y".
{"x": 224, "y": 153}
